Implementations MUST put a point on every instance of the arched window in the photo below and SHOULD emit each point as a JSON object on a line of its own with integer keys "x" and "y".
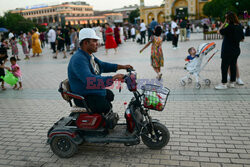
{"x": 150, "y": 17}
{"x": 160, "y": 17}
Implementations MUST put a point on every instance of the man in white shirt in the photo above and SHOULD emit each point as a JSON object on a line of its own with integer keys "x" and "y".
{"x": 143, "y": 31}
{"x": 133, "y": 33}
{"x": 175, "y": 33}
{"x": 52, "y": 39}
{"x": 11, "y": 35}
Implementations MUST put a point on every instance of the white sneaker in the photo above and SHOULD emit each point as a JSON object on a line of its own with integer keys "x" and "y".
{"x": 174, "y": 48}
{"x": 221, "y": 86}
{"x": 231, "y": 85}
{"x": 239, "y": 81}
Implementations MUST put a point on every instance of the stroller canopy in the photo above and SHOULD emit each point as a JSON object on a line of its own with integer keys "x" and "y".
{"x": 205, "y": 48}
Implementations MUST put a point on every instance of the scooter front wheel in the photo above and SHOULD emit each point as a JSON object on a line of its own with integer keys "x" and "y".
{"x": 155, "y": 138}
{"x": 63, "y": 147}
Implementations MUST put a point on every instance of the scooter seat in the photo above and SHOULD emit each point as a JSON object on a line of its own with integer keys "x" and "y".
{"x": 76, "y": 109}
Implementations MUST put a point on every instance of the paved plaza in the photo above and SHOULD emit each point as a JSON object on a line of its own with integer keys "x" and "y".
{"x": 208, "y": 128}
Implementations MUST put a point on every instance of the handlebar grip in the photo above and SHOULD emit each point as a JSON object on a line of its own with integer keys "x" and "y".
{"x": 130, "y": 70}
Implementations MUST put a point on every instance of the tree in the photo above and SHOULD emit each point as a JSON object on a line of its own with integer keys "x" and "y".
{"x": 134, "y": 14}
{"x": 2, "y": 22}
{"x": 16, "y": 22}
{"x": 218, "y": 8}
{"x": 41, "y": 28}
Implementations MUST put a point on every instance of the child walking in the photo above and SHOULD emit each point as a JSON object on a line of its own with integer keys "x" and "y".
{"x": 24, "y": 46}
{"x": 15, "y": 69}
{"x": 14, "y": 48}
{"x": 157, "y": 60}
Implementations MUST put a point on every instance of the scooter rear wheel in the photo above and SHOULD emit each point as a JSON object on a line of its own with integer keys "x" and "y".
{"x": 159, "y": 139}
{"x": 63, "y": 147}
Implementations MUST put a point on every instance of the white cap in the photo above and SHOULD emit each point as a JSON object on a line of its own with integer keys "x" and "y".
{"x": 87, "y": 33}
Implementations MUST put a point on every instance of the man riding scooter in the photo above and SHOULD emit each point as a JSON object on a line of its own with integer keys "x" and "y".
{"x": 86, "y": 84}
{"x": 84, "y": 74}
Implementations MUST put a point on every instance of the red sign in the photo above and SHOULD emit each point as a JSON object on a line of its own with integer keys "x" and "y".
{"x": 44, "y": 24}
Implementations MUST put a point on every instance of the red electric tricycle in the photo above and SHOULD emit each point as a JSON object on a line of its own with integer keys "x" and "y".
{"x": 82, "y": 125}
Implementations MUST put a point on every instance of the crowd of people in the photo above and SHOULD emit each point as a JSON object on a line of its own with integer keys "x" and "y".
{"x": 84, "y": 65}
{"x": 66, "y": 39}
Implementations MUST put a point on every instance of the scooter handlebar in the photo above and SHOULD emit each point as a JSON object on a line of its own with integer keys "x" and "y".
{"x": 129, "y": 70}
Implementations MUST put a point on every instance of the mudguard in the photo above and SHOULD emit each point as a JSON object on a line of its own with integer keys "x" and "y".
{"x": 60, "y": 128}
{"x": 73, "y": 136}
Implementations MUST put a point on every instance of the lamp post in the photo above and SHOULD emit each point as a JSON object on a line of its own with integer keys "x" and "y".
{"x": 237, "y": 6}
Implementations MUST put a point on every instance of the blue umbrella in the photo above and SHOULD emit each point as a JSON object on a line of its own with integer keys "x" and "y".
{"x": 3, "y": 30}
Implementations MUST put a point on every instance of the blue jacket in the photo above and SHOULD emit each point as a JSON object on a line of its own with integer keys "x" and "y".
{"x": 82, "y": 78}
{"x": 153, "y": 24}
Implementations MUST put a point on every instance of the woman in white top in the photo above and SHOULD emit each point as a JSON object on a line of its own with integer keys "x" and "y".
{"x": 98, "y": 31}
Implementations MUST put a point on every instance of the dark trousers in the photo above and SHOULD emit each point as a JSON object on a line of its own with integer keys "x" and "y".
{"x": 225, "y": 63}
{"x": 133, "y": 37}
{"x": 42, "y": 43}
{"x": 149, "y": 34}
{"x": 143, "y": 36}
{"x": 53, "y": 46}
{"x": 97, "y": 104}
{"x": 175, "y": 40}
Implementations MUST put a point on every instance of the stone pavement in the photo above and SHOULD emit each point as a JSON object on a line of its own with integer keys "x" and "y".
{"x": 208, "y": 128}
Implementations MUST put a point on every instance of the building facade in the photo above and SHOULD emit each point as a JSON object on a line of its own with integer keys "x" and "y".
{"x": 68, "y": 13}
{"x": 105, "y": 18}
{"x": 126, "y": 10}
{"x": 52, "y": 15}
{"x": 85, "y": 20}
{"x": 188, "y": 9}
{"x": 114, "y": 17}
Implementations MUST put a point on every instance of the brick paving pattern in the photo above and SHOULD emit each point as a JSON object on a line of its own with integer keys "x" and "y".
{"x": 208, "y": 128}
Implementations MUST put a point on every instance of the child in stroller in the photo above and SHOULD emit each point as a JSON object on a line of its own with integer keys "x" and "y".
{"x": 194, "y": 65}
{"x": 192, "y": 54}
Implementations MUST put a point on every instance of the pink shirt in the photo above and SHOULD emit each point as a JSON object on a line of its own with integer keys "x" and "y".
{"x": 17, "y": 73}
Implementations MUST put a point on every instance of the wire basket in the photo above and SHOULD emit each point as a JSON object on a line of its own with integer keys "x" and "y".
{"x": 155, "y": 97}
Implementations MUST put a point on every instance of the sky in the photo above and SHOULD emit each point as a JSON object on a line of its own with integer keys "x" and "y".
{"x": 6, "y": 5}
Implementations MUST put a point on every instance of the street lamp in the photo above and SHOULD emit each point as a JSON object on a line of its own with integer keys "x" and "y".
{"x": 237, "y": 6}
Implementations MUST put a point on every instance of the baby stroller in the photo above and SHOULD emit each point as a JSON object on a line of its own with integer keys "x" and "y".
{"x": 195, "y": 66}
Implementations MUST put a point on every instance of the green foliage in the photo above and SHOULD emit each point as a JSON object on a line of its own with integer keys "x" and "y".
{"x": 2, "y": 22}
{"x": 218, "y": 8}
{"x": 134, "y": 14}
{"x": 41, "y": 28}
{"x": 16, "y": 22}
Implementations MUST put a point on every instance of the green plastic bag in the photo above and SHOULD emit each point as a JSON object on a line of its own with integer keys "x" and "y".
{"x": 9, "y": 78}
{"x": 152, "y": 100}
